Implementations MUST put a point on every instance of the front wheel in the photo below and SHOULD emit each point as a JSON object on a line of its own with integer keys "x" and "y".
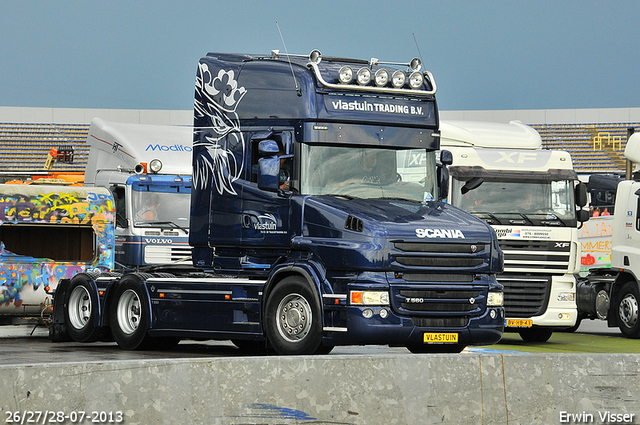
{"x": 536, "y": 334}
{"x": 292, "y": 318}
{"x": 129, "y": 316}
{"x": 627, "y": 310}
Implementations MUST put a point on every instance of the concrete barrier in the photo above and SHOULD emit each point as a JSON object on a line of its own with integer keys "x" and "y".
{"x": 401, "y": 389}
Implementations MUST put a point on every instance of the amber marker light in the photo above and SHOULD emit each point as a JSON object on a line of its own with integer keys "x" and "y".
{"x": 161, "y": 294}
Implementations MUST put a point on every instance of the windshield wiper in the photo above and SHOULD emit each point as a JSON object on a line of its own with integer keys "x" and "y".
{"x": 160, "y": 224}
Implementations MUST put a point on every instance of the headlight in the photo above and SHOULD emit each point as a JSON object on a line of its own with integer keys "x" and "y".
{"x": 495, "y": 299}
{"x": 364, "y": 76}
{"x": 369, "y": 298}
{"x": 415, "y": 80}
{"x": 155, "y": 165}
{"x": 566, "y": 296}
{"x": 382, "y": 77}
{"x": 398, "y": 78}
{"x": 345, "y": 75}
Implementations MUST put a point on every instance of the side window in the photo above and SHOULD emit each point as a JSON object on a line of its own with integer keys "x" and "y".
{"x": 121, "y": 206}
{"x": 285, "y": 146}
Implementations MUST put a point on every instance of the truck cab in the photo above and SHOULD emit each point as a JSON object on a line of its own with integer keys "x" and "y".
{"x": 298, "y": 170}
{"x": 532, "y": 199}
{"x": 147, "y": 168}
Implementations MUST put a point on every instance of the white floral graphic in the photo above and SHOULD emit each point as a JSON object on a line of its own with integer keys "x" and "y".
{"x": 217, "y": 98}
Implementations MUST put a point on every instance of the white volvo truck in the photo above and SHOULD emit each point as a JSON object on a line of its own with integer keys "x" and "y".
{"x": 148, "y": 170}
{"x": 531, "y": 197}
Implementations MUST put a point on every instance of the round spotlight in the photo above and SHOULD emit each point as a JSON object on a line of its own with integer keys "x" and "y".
{"x": 415, "y": 64}
{"x": 315, "y": 56}
{"x": 345, "y": 75}
{"x": 384, "y": 313}
{"x": 155, "y": 165}
{"x": 367, "y": 313}
{"x": 397, "y": 79}
{"x": 415, "y": 80}
{"x": 382, "y": 77}
{"x": 364, "y": 76}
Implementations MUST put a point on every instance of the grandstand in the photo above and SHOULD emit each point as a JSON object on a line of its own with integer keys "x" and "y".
{"x": 24, "y": 145}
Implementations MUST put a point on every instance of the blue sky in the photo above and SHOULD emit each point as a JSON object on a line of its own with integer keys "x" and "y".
{"x": 524, "y": 54}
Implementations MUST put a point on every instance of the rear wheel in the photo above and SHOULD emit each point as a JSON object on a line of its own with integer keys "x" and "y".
{"x": 129, "y": 316}
{"x": 81, "y": 310}
{"x": 627, "y": 310}
{"x": 292, "y": 318}
{"x": 536, "y": 334}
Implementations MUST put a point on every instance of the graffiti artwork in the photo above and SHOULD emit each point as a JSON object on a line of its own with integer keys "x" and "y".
{"x": 220, "y": 96}
{"x": 23, "y": 277}
{"x": 595, "y": 243}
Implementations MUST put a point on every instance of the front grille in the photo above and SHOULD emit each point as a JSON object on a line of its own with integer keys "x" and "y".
{"x": 542, "y": 256}
{"x": 439, "y": 262}
{"x": 165, "y": 254}
{"x": 447, "y": 322}
{"x": 525, "y": 295}
{"x": 431, "y": 300}
{"x": 440, "y": 248}
{"x": 441, "y": 255}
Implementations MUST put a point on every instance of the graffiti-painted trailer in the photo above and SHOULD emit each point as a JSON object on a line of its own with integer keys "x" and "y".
{"x": 306, "y": 233}
{"x": 48, "y": 233}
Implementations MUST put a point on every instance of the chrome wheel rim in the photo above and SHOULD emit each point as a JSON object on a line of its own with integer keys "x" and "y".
{"x": 628, "y": 310}
{"x": 294, "y": 318}
{"x": 129, "y": 311}
{"x": 79, "y": 307}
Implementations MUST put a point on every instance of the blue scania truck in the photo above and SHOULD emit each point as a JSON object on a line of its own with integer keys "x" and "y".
{"x": 307, "y": 230}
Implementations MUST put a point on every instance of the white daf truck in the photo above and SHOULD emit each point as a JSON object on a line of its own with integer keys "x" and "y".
{"x": 530, "y": 196}
{"x": 148, "y": 170}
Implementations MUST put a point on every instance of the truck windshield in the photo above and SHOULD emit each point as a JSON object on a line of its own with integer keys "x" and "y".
{"x": 541, "y": 200}
{"x": 368, "y": 173}
{"x": 161, "y": 209}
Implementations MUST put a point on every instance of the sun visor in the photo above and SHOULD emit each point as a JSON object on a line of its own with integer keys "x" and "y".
{"x": 465, "y": 173}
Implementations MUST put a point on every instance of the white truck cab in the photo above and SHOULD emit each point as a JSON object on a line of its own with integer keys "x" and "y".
{"x": 501, "y": 174}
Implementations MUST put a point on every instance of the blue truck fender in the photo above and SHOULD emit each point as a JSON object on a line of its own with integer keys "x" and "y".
{"x": 139, "y": 279}
{"x": 313, "y": 275}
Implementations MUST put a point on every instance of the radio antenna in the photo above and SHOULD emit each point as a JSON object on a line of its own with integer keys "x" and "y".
{"x": 298, "y": 91}
{"x": 417, "y": 47}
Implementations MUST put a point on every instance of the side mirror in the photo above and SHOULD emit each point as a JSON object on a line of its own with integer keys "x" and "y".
{"x": 583, "y": 215}
{"x": 581, "y": 194}
{"x": 446, "y": 157}
{"x": 268, "y": 148}
{"x": 443, "y": 183}
{"x": 269, "y": 173}
{"x": 474, "y": 183}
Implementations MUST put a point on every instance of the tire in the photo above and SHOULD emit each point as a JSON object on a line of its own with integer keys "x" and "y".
{"x": 435, "y": 348}
{"x": 129, "y": 316}
{"x": 81, "y": 309}
{"x": 536, "y": 334}
{"x": 292, "y": 318}
{"x": 627, "y": 310}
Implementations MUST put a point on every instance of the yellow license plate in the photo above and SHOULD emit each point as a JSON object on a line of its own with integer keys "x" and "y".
{"x": 441, "y": 338}
{"x": 518, "y": 323}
